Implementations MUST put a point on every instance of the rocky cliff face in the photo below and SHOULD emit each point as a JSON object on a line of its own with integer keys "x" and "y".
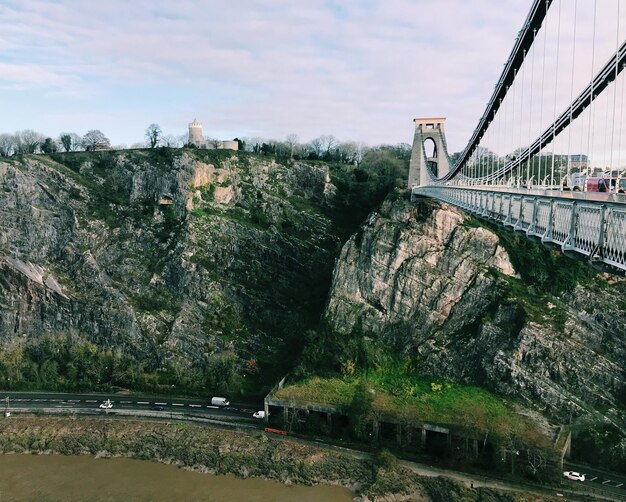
{"x": 238, "y": 253}
{"x": 426, "y": 280}
{"x": 202, "y": 264}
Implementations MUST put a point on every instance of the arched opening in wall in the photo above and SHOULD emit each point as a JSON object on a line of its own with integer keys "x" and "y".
{"x": 433, "y": 167}
{"x": 430, "y": 148}
{"x": 430, "y": 151}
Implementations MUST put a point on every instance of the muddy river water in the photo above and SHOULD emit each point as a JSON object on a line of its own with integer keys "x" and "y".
{"x": 49, "y": 478}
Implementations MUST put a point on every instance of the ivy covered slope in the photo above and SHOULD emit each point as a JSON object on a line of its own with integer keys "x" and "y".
{"x": 191, "y": 270}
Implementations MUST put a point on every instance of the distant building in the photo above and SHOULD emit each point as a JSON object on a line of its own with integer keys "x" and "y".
{"x": 578, "y": 161}
{"x": 196, "y": 138}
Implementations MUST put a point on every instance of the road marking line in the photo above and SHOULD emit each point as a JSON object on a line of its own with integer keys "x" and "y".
{"x": 73, "y": 400}
{"x": 178, "y": 404}
{"x": 209, "y": 406}
{"x": 125, "y": 402}
{"x": 143, "y": 402}
{"x": 91, "y": 401}
{"x": 195, "y": 405}
{"x": 605, "y": 482}
{"x": 594, "y": 478}
{"x": 161, "y": 404}
{"x": 56, "y": 400}
{"x": 617, "y": 486}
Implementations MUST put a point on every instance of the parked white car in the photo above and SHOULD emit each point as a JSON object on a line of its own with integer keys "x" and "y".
{"x": 259, "y": 414}
{"x": 573, "y": 475}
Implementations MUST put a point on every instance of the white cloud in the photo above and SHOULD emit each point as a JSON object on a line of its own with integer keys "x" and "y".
{"x": 31, "y": 76}
{"x": 357, "y": 69}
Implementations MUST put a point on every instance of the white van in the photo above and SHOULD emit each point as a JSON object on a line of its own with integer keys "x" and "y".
{"x": 219, "y": 401}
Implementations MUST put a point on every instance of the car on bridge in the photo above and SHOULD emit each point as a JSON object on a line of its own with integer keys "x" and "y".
{"x": 574, "y": 476}
{"x": 606, "y": 184}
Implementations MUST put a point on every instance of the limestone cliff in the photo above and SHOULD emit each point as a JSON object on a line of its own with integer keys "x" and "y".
{"x": 173, "y": 257}
{"x": 204, "y": 264}
{"x": 427, "y": 280}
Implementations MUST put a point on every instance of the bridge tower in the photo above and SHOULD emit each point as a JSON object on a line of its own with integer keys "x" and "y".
{"x": 427, "y": 130}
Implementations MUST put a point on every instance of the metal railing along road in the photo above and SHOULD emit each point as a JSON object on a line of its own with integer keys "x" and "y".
{"x": 590, "y": 224}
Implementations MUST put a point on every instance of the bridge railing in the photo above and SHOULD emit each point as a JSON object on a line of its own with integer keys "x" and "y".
{"x": 596, "y": 229}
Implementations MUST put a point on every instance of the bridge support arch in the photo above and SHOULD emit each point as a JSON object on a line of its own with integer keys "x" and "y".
{"x": 437, "y": 163}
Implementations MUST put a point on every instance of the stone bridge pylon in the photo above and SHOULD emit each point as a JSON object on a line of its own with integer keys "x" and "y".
{"x": 429, "y": 152}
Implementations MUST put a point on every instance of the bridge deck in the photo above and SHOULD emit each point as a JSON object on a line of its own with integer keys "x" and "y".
{"x": 594, "y": 197}
{"x": 591, "y": 224}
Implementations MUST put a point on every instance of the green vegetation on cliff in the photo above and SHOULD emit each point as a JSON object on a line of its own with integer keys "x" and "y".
{"x": 205, "y": 271}
{"x": 208, "y": 293}
{"x": 412, "y": 399}
{"x": 471, "y": 304}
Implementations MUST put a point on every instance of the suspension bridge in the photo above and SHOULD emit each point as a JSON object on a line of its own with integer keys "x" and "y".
{"x": 548, "y": 156}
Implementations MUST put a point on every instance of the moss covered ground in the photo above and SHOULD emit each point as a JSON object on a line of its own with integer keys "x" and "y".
{"x": 406, "y": 398}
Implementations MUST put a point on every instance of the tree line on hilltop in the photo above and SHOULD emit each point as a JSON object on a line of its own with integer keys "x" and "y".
{"x": 29, "y": 141}
{"x": 325, "y": 147}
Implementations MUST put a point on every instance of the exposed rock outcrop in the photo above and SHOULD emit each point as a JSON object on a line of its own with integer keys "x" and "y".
{"x": 165, "y": 254}
{"x": 428, "y": 281}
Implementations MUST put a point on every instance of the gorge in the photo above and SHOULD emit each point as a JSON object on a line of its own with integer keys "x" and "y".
{"x": 216, "y": 272}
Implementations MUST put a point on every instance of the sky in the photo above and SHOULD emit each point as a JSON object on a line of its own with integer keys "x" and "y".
{"x": 360, "y": 70}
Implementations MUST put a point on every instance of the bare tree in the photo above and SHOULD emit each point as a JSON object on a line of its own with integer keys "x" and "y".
{"x": 8, "y": 145}
{"x": 95, "y": 140}
{"x": 253, "y": 144}
{"x": 28, "y": 141}
{"x": 329, "y": 143}
{"x": 173, "y": 141}
{"x": 361, "y": 150}
{"x": 347, "y": 152}
{"x": 292, "y": 141}
{"x": 153, "y": 134}
{"x": 316, "y": 146}
{"x": 279, "y": 148}
{"x": 182, "y": 139}
{"x": 212, "y": 142}
{"x": 77, "y": 142}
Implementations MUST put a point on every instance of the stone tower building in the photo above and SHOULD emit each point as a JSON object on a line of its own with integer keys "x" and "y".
{"x": 195, "y": 133}
{"x": 196, "y": 138}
